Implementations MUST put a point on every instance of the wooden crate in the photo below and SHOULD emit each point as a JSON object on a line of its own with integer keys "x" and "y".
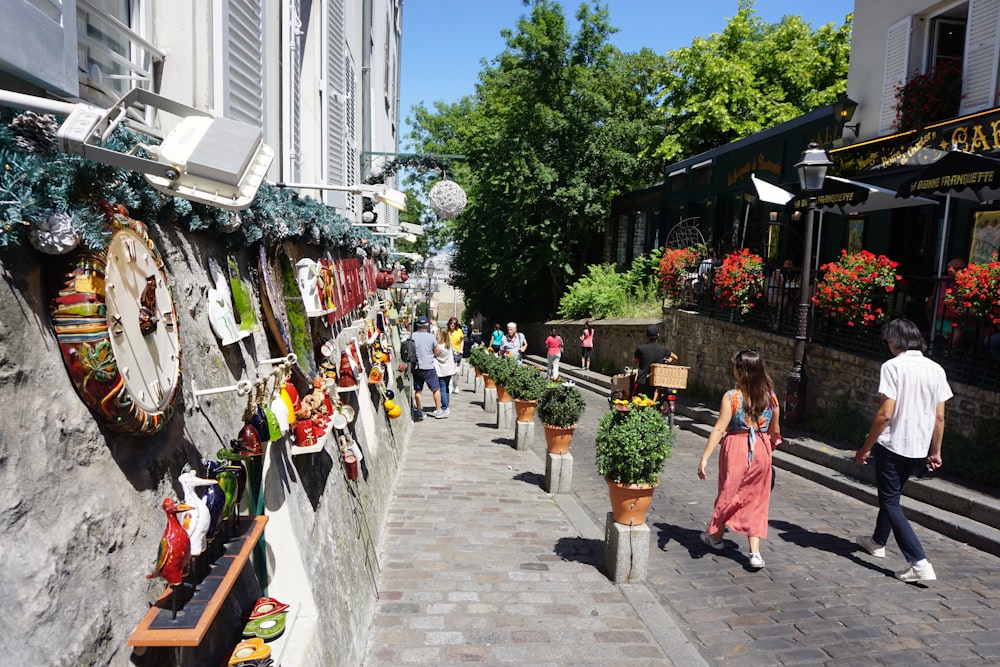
{"x": 668, "y": 376}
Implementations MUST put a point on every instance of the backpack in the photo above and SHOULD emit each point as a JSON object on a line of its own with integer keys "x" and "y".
{"x": 408, "y": 351}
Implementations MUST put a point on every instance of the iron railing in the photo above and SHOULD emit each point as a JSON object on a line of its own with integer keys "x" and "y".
{"x": 962, "y": 349}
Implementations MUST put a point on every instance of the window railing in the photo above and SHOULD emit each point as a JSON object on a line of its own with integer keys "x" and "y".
{"x": 114, "y": 58}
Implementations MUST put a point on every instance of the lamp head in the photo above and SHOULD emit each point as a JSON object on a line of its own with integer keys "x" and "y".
{"x": 812, "y": 168}
{"x": 843, "y": 112}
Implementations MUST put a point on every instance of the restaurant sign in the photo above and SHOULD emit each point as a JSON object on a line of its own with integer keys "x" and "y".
{"x": 978, "y": 133}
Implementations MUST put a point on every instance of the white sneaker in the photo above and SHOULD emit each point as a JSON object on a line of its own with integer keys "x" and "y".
{"x": 439, "y": 414}
{"x": 710, "y": 542}
{"x": 756, "y": 561}
{"x": 915, "y": 574}
{"x": 871, "y": 546}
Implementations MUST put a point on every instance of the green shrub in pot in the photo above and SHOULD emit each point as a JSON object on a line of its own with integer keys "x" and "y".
{"x": 561, "y": 405}
{"x": 632, "y": 444}
{"x": 526, "y": 383}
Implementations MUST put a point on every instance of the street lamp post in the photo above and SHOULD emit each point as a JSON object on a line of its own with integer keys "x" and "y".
{"x": 812, "y": 172}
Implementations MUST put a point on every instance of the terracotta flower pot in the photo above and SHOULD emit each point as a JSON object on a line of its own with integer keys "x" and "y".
{"x": 478, "y": 372}
{"x": 525, "y": 410}
{"x": 557, "y": 438}
{"x": 502, "y": 395}
{"x": 488, "y": 381}
{"x": 629, "y": 502}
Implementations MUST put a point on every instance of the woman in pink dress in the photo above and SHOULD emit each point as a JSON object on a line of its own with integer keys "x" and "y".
{"x": 748, "y": 430}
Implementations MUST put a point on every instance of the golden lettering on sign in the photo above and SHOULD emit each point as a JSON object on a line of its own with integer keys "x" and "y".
{"x": 758, "y": 163}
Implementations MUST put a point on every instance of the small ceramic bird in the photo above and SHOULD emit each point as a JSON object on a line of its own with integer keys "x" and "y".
{"x": 215, "y": 496}
{"x": 174, "y": 556}
{"x": 196, "y": 520}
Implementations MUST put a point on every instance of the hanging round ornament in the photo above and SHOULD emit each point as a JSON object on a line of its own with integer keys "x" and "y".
{"x": 447, "y": 199}
{"x": 53, "y": 234}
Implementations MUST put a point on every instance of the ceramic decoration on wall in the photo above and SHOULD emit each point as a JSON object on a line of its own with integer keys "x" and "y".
{"x": 286, "y": 317}
{"x": 308, "y": 274}
{"x": 115, "y": 322}
{"x": 243, "y": 305}
{"x": 220, "y": 307}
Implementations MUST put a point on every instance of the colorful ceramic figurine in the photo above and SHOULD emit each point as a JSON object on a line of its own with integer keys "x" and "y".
{"x": 197, "y": 520}
{"x": 215, "y": 496}
{"x": 174, "y": 556}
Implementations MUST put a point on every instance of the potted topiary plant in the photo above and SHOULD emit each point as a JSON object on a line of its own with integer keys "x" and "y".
{"x": 501, "y": 372}
{"x": 633, "y": 441}
{"x": 486, "y": 365}
{"x": 477, "y": 357}
{"x": 559, "y": 410}
{"x": 526, "y": 385}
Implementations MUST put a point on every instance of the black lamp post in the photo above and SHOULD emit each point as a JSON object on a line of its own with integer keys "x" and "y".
{"x": 812, "y": 172}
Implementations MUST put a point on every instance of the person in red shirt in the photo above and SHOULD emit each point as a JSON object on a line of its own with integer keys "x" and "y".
{"x": 553, "y": 351}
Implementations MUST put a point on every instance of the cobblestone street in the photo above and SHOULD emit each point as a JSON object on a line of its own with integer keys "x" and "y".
{"x": 481, "y": 565}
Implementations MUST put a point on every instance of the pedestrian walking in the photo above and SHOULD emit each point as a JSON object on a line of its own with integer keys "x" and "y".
{"x": 455, "y": 342}
{"x": 553, "y": 352}
{"x": 446, "y": 369}
{"x": 586, "y": 346}
{"x": 748, "y": 428}
{"x": 513, "y": 343}
{"x": 423, "y": 370}
{"x": 497, "y": 338}
{"x": 905, "y": 436}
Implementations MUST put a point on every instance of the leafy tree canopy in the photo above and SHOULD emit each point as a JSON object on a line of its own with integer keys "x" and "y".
{"x": 751, "y": 76}
{"x": 557, "y": 127}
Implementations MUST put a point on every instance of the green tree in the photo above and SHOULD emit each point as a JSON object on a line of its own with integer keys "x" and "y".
{"x": 559, "y": 125}
{"x": 751, "y": 76}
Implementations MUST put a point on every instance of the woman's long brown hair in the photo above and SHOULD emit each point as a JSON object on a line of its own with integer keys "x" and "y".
{"x": 754, "y": 383}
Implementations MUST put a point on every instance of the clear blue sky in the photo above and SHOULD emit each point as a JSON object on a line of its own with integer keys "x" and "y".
{"x": 444, "y": 41}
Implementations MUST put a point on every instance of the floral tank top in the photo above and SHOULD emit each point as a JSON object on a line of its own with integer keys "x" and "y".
{"x": 740, "y": 422}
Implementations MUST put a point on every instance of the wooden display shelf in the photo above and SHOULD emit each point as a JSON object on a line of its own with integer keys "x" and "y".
{"x": 194, "y": 616}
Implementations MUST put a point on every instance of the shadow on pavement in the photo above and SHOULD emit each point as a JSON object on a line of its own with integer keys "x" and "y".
{"x": 530, "y": 478}
{"x": 790, "y": 532}
{"x": 580, "y": 550}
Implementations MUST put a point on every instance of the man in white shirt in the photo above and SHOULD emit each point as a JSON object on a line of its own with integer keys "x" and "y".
{"x": 905, "y": 435}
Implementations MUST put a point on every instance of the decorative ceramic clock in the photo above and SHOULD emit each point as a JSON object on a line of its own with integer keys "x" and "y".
{"x": 115, "y": 321}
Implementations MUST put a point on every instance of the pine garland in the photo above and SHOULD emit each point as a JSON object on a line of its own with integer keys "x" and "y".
{"x": 34, "y": 182}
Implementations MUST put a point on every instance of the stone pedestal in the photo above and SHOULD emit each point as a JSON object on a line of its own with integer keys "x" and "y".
{"x": 626, "y": 551}
{"x": 558, "y": 472}
{"x": 524, "y": 434}
{"x": 505, "y": 415}
{"x": 490, "y": 399}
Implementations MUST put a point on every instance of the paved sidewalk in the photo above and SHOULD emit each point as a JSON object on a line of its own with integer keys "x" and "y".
{"x": 480, "y": 565}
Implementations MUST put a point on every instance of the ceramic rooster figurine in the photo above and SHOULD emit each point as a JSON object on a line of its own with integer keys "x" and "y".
{"x": 174, "y": 556}
{"x": 197, "y": 520}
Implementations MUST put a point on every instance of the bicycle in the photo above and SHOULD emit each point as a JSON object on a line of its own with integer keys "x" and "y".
{"x": 671, "y": 378}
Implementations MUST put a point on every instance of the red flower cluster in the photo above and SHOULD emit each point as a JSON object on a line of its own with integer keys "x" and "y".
{"x": 852, "y": 288}
{"x": 675, "y": 264}
{"x": 976, "y": 293}
{"x": 928, "y": 98}
{"x": 740, "y": 280}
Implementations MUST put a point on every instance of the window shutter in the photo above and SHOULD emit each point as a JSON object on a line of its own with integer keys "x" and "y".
{"x": 38, "y": 42}
{"x": 897, "y": 55}
{"x": 243, "y": 99}
{"x": 335, "y": 101}
{"x": 979, "y": 87}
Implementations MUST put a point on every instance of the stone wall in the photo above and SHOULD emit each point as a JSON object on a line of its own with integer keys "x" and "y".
{"x": 706, "y": 345}
{"x": 80, "y": 507}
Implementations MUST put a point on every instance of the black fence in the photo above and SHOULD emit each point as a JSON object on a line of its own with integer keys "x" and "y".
{"x": 969, "y": 353}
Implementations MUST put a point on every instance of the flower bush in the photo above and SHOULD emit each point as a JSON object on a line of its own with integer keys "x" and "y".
{"x": 675, "y": 265}
{"x": 930, "y": 97}
{"x": 853, "y": 288}
{"x": 976, "y": 293}
{"x": 739, "y": 282}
